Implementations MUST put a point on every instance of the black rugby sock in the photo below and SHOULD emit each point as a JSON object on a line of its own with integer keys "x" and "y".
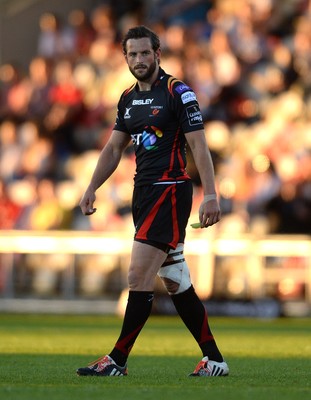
{"x": 137, "y": 311}
{"x": 193, "y": 313}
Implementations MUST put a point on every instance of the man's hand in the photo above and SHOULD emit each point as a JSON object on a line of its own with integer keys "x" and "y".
{"x": 209, "y": 212}
{"x": 86, "y": 203}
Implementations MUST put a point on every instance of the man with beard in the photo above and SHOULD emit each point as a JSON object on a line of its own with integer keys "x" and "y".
{"x": 160, "y": 114}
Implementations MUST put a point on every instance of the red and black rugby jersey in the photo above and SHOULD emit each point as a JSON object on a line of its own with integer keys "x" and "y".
{"x": 157, "y": 121}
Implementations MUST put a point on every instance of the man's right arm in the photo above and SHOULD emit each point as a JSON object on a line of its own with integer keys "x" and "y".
{"x": 107, "y": 163}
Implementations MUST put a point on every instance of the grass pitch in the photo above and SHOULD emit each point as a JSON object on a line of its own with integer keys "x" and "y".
{"x": 268, "y": 359}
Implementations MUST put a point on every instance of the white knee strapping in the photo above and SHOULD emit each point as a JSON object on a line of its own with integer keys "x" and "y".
{"x": 176, "y": 269}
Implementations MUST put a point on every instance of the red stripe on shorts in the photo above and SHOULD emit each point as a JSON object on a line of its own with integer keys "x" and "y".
{"x": 174, "y": 241}
{"x": 142, "y": 233}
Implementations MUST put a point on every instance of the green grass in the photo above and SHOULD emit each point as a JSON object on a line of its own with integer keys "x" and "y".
{"x": 268, "y": 359}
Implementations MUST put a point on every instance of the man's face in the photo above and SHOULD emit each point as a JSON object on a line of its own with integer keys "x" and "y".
{"x": 141, "y": 58}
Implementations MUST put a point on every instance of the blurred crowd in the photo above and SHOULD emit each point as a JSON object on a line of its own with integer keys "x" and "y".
{"x": 249, "y": 62}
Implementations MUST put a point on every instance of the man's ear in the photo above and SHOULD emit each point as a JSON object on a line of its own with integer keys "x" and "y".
{"x": 158, "y": 54}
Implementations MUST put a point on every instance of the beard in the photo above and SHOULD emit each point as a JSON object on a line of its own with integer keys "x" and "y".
{"x": 142, "y": 72}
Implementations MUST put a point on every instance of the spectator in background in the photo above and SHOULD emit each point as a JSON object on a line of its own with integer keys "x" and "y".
{"x": 81, "y": 33}
{"x": 66, "y": 105}
{"x": 10, "y": 75}
{"x": 46, "y": 213}
{"x": 17, "y": 97}
{"x": 40, "y": 71}
{"x": 53, "y": 42}
{"x": 10, "y": 150}
{"x": 37, "y": 156}
{"x": 9, "y": 210}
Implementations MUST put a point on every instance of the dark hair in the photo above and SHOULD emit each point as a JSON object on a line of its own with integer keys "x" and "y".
{"x": 140, "y": 32}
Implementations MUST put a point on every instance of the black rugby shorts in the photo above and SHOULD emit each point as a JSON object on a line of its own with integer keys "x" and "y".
{"x": 161, "y": 213}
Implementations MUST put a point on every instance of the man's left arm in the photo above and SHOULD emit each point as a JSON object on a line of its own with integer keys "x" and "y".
{"x": 209, "y": 211}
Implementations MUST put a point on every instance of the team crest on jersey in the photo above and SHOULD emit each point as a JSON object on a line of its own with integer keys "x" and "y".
{"x": 155, "y": 110}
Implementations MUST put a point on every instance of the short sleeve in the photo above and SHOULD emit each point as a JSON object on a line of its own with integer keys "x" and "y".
{"x": 120, "y": 123}
{"x": 187, "y": 108}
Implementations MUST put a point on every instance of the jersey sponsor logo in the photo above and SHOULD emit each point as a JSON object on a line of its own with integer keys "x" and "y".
{"x": 187, "y": 97}
{"x": 194, "y": 115}
{"x": 155, "y": 110}
{"x": 142, "y": 102}
{"x": 182, "y": 88}
{"x": 148, "y": 138}
{"x": 127, "y": 113}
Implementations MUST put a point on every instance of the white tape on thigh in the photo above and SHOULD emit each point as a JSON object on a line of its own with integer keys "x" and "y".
{"x": 176, "y": 269}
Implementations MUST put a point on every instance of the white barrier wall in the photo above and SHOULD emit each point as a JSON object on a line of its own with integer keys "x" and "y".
{"x": 243, "y": 267}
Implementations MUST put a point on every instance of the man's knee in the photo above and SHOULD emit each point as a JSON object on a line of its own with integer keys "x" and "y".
{"x": 175, "y": 273}
{"x": 171, "y": 286}
{"x": 134, "y": 279}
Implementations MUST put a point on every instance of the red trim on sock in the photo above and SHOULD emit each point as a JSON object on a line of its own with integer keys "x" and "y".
{"x": 121, "y": 345}
{"x": 205, "y": 335}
